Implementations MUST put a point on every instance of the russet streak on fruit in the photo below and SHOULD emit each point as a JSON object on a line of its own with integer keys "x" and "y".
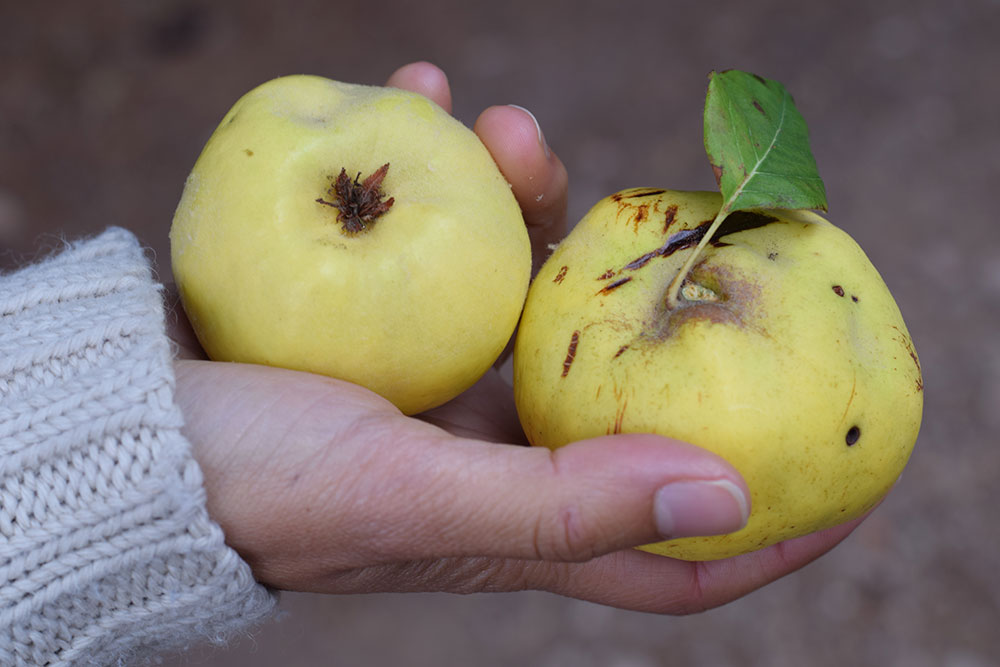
{"x": 636, "y": 194}
{"x": 570, "y": 352}
{"x": 740, "y": 221}
{"x": 615, "y": 285}
{"x": 668, "y": 218}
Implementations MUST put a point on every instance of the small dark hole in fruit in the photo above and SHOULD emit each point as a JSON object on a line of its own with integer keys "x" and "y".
{"x": 838, "y": 290}
{"x": 853, "y": 435}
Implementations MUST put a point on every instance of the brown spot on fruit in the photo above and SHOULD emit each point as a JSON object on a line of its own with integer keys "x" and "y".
{"x": 570, "y": 353}
{"x": 685, "y": 238}
{"x": 640, "y": 214}
{"x": 854, "y": 298}
{"x": 607, "y": 274}
{"x": 562, "y": 274}
{"x": 908, "y": 344}
{"x": 669, "y": 216}
{"x": 620, "y": 417}
{"x": 248, "y": 152}
{"x": 737, "y": 304}
{"x": 739, "y": 221}
{"x": 853, "y": 435}
{"x": 758, "y": 107}
{"x": 838, "y": 290}
{"x": 620, "y": 351}
{"x": 850, "y": 400}
{"x": 615, "y": 285}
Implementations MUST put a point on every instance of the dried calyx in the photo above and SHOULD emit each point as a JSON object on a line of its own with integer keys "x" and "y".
{"x": 359, "y": 203}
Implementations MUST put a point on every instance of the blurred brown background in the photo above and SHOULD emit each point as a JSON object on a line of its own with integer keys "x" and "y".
{"x": 104, "y": 106}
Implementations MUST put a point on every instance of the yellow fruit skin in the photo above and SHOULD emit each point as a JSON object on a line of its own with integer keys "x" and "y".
{"x": 417, "y": 308}
{"x": 803, "y": 344}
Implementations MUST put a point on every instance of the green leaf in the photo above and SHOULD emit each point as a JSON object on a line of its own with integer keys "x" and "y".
{"x": 758, "y": 144}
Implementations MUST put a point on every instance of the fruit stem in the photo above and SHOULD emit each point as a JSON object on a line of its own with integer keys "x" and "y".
{"x": 678, "y": 281}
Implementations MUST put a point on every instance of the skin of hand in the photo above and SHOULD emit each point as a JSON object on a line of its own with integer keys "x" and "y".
{"x": 323, "y": 486}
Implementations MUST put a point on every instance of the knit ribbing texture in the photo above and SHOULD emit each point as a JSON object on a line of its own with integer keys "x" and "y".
{"x": 107, "y": 553}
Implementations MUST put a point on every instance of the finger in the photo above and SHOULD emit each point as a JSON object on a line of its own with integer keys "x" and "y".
{"x": 463, "y": 498}
{"x": 426, "y": 79}
{"x": 537, "y": 176}
{"x": 647, "y": 582}
{"x": 627, "y": 579}
{"x": 358, "y": 484}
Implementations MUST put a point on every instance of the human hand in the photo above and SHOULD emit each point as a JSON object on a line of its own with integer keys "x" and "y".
{"x": 323, "y": 486}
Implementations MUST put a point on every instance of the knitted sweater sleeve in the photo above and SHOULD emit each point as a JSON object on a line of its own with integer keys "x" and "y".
{"x": 107, "y": 553}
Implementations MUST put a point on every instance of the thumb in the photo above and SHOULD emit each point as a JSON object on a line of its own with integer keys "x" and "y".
{"x": 572, "y": 504}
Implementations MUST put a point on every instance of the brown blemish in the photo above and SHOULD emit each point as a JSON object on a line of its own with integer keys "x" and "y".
{"x": 717, "y": 170}
{"x": 615, "y": 285}
{"x": 636, "y": 213}
{"x": 248, "y": 152}
{"x": 908, "y": 344}
{"x": 668, "y": 218}
{"x": 854, "y": 388}
{"x": 562, "y": 274}
{"x": 640, "y": 215}
{"x": 620, "y": 417}
{"x": 853, "y": 435}
{"x": 737, "y": 305}
{"x": 620, "y": 351}
{"x": 686, "y": 238}
{"x": 838, "y": 290}
{"x": 854, "y": 298}
{"x": 772, "y": 256}
{"x": 570, "y": 353}
{"x": 740, "y": 221}
{"x": 607, "y": 274}
{"x": 758, "y": 107}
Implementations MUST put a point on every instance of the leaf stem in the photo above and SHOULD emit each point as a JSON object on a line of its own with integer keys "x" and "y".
{"x": 678, "y": 281}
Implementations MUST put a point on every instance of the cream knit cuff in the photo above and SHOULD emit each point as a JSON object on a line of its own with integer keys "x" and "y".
{"x": 107, "y": 553}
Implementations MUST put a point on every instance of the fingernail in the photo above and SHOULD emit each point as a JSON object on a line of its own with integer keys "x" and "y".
{"x": 690, "y": 508}
{"x": 538, "y": 128}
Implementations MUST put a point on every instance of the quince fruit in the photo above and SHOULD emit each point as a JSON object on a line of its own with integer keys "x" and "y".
{"x": 786, "y": 355}
{"x": 353, "y": 231}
